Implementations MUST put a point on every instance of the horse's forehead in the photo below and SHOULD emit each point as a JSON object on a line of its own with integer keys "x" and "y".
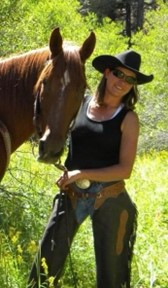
{"x": 70, "y": 57}
{"x": 65, "y": 69}
{"x": 67, "y": 65}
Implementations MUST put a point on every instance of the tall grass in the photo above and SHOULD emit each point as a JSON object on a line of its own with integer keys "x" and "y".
{"x": 26, "y": 195}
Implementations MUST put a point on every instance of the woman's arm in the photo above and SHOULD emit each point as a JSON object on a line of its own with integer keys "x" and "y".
{"x": 122, "y": 170}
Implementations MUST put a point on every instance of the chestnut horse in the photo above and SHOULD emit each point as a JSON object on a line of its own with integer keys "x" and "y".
{"x": 46, "y": 85}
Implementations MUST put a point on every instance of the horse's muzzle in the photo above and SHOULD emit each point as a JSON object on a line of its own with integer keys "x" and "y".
{"x": 48, "y": 156}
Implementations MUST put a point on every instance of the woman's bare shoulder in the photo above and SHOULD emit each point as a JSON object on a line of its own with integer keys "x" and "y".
{"x": 131, "y": 120}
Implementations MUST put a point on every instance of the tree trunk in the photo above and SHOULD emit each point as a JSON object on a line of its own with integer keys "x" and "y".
{"x": 128, "y": 19}
{"x": 140, "y": 14}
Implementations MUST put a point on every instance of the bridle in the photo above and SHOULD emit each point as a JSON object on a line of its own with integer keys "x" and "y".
{"x": 58, "y": 165}
{"x": 38, "y": 125}
{"x": 37, "y": 107}
{"x": 37, "y": 113}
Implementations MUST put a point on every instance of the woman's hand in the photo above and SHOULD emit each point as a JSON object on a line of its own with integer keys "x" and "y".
{"x": 67, "y": 178}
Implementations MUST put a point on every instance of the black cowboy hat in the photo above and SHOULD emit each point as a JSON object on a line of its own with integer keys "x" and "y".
{"x": 128, "y": 59}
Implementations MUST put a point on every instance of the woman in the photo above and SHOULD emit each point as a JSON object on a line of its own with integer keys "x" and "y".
{"x": 102, "y": 151}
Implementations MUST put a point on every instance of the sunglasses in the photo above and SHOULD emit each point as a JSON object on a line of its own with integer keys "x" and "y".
{"x": 129, "y": 79}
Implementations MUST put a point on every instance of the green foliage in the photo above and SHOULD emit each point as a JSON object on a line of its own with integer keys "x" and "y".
{"x": 33, "y": 21}
{"x": 151, "y": 42}
{"x": 27, "y": 191}
{"x": 148, "y": 186}
{"x": 27, "y": 24}
{"x": 26, "y": 196}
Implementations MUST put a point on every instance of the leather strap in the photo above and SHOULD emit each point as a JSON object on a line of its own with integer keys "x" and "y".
{"x": 110, "y": 191}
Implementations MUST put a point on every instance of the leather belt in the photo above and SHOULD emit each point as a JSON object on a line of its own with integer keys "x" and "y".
{"x": 109, "y": 191}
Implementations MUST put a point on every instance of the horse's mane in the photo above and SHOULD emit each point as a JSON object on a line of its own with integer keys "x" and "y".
{"x": 18, "y": 74}
{"x": 21, "y": 60}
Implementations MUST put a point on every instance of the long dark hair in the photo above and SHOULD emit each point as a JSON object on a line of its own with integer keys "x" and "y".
{"x": 129, "y": 100}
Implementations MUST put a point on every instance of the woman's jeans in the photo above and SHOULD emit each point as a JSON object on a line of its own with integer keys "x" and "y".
{"x": 114, "y": 230}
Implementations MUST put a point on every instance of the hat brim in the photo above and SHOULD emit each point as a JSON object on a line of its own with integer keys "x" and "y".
{"x": 102, "y": 62}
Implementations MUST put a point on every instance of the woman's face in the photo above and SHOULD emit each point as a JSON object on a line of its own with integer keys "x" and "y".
{"x": 117, "y": 81}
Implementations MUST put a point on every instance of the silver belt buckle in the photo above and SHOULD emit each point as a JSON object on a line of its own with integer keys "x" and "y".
{"x": 83, "y": 183}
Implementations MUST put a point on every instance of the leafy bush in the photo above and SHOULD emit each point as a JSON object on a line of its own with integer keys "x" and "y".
{"x": 26, "y": 196}
{"x": 34, "y": 20}
{"x": 28, "y": 188}
{"x": 153, "y": 104}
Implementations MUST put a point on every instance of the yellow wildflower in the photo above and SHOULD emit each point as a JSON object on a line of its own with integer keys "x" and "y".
{"x": 51, "y": 282}
{"x": 32, "y": 247}
{"x": 19, "y": 259}
{"x": 44, "y": 265}
{"x": 14, "y": 236}
{"x": 19, "y": 249}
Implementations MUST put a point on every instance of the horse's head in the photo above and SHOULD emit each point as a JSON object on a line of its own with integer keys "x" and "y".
{"x": 59, "y": 92}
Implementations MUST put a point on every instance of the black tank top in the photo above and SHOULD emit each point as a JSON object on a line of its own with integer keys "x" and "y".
{"x": 94, "y": 144}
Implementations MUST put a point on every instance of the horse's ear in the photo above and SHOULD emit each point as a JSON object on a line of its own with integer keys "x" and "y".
{"x": 88, "y": 46}
{"x": 55, "y": 43}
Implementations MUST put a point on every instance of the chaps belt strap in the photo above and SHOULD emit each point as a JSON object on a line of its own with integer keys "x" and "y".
{"x": 110, "y": 191}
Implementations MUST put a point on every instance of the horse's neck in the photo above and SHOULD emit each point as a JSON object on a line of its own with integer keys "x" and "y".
{"x": 18, "y": 77}
{"x": 25, "y": 67}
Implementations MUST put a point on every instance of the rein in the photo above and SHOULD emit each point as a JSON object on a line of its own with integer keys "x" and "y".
{"x": 7, "y": 141}
{"x": 65, "y": 170}
{"x": 58, "y": 165}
